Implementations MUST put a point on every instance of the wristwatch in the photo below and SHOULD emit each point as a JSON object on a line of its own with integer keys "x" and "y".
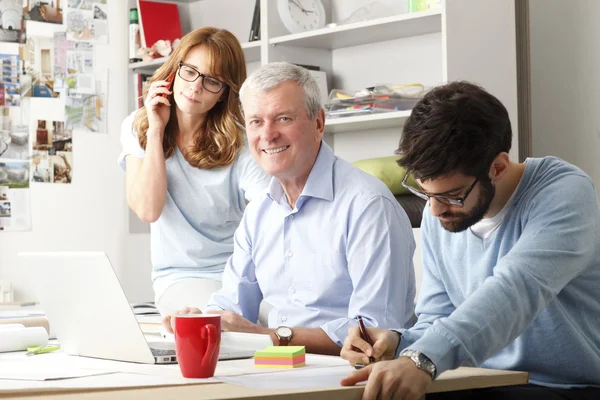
{"x": 421, "y": 361}
{"x": 284, "y": 334}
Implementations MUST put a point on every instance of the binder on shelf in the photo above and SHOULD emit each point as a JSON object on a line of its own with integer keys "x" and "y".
{"x": 158, "y": 21}
{"x": 255, "y": 27}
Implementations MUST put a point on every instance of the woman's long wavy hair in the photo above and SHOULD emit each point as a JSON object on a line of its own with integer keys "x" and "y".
{"x": 222, "y": 139}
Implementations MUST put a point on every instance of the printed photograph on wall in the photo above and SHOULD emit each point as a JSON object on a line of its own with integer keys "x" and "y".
{"x": 4, "y": 209}
{"x": 37, "y": 55}
{"x": 14, "y": 174}
{"x": 4, "y": 193}
{"x": 14, "y": 135}
{"x": 88, "y": 24}
{"x": 15, "y": 206}
{"x": 52, "y": 160}
{"x": 61, "y": 166}
{"x": 11, "y": 79}
{"x": 11, "y": 20}
{"x": 43, "y": 11}
{"x": 52, "y": 136}
{"x": 41, "y": 168}
{"x": 82, "y": 4}
{"x": 61, "y": 47}
{"x": 85, "y": 105}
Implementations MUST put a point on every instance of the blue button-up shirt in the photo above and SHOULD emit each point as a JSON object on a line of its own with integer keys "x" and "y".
{"x": 345, "y": 250}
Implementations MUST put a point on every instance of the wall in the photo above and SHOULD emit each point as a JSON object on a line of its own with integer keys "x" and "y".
{"x": 91, "y": 213}
{"x": 480, "y": 47}
{"x": 565, "y": 61}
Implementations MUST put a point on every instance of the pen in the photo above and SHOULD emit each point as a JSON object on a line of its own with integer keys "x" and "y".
{"x": 31, "y": 351}
{"x": 365, "y": 335}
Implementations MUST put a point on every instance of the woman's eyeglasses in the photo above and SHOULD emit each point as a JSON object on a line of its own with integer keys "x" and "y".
{"x": 190, "y": 74}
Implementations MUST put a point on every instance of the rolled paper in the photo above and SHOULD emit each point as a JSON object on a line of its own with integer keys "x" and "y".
{"x": 21, "y": 339}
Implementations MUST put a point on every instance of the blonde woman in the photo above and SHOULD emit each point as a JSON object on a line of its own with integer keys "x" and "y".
{"x": 188, "y": 169}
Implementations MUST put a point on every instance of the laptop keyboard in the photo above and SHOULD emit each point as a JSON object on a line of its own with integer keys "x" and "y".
{"x": 162, "y": 352}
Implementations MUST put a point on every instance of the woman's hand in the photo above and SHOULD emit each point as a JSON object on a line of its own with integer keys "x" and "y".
{"x": 158, "y": 107}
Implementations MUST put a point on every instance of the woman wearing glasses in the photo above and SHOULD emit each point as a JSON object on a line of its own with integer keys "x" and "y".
{"x": 189, "y": 171}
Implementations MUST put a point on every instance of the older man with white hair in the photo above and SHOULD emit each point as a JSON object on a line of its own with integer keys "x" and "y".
{"x": 325, "y": 243}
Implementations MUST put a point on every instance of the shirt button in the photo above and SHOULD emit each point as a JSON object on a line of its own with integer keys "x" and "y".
{"x": 284, "y": 319}
{"x": 291, "y": 217}
{"x": 290, "y": 254}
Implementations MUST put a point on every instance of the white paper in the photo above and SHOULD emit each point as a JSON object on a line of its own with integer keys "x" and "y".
{"x": 105, "y": 381}
{"x": 241, "y": 340}
{"x": 306, "y": 377}
{"x": 15, "y": 370}
{"x": 18, "y": 216}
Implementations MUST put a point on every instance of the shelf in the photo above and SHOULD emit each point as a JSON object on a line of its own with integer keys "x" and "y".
{"x": 251, "y": 51}
{"x": 364, "y": 32}
{"x": 366, "y": 122}
{"x": 146, "y": 66}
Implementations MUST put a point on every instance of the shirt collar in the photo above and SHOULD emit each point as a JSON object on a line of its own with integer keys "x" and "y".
{"x": 319, "y": 183}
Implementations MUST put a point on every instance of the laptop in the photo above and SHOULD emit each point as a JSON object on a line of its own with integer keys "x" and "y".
{"x": 90, "y": 314}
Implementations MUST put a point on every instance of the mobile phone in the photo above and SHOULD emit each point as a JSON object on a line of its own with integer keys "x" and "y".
{"x": 169, "y": 84}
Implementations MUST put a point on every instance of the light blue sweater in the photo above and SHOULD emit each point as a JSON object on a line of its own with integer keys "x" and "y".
{"x": 527, "y": 297}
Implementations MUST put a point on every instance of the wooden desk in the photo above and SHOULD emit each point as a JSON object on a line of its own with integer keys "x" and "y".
{"x": 460, "y": 379}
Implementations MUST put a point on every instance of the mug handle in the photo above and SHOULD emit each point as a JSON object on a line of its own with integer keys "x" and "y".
{"x": 211, "y": 332}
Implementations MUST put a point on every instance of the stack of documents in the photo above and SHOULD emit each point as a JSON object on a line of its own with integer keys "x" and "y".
{"x": 280, "y": 357}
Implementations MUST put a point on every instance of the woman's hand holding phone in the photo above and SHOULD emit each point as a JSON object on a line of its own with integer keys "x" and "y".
{"x": 158, "y": 106}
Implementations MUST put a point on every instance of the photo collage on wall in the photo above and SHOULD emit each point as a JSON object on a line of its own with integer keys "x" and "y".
{"x": 47, "y": 51}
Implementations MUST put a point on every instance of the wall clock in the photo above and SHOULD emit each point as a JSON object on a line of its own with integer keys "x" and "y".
{"x": 301, "y": 15}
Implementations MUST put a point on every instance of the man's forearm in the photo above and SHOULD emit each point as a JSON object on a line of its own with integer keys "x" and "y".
{"x": 315, "y": 340}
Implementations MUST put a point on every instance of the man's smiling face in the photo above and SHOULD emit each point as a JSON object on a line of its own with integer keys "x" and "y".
{"x": 282, "y": 138}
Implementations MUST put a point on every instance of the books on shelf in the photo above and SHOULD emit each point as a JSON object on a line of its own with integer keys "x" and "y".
{"x": 158, "y": 21}
{"x": 140, "y": 83}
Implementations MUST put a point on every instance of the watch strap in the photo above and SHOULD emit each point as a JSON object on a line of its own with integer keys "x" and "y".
{"x": 283, "y": 341}
{"x": 422, "y": 362}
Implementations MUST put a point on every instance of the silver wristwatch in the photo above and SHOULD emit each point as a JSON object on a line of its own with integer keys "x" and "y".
{"x": 421, "y": 361}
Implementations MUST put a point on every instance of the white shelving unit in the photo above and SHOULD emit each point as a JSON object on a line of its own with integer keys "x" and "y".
{"x": 365, "y": 32}
{"x": 251, "y": 51}
{"x": 464, "y": 39}
{"x": 318, "y": 47}
{"x": 366, "y": 122}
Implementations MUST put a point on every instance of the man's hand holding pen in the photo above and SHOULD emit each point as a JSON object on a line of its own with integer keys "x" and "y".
{"x": 357, "y": 350}
{"x": 388, "y": 378}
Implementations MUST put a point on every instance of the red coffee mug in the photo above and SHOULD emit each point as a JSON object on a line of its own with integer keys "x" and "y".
{"x": 197, "y": 343}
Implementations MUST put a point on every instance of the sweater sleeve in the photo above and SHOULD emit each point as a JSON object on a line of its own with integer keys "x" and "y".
{"x": 559, "y": 234}
{"x": 433, "y": 302}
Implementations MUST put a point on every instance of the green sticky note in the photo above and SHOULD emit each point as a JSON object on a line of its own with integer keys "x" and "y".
{"x": 281, "y": 351}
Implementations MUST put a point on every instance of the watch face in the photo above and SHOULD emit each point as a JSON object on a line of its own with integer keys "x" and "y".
{"x": 284, "y": 332}
{"x": 301, "y": 15}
